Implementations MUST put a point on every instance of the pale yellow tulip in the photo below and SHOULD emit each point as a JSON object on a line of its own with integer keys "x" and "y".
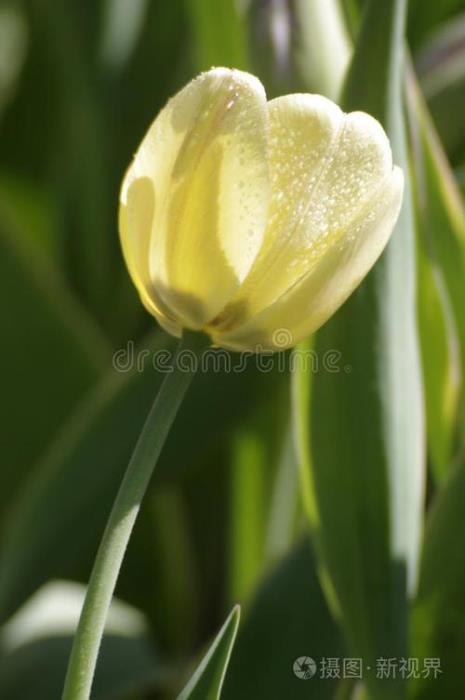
{"x": 252, "y": 220}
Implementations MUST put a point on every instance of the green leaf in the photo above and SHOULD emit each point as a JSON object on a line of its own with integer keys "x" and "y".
{"x": 255, "y": 450}
{"x": 219, "y": 34}
{"x": 323, "y": 46}
{"x": 288, "y": 619}
{"x": 248, "y": 482}
{"x": 441, "y": 373}
{"x": 285, "y": 502}
{"x": 439, "y": 612}
{"x": 441, "y": 273}
{"x": 51, "y": 354}
{"x": 208, "y": 679}
{"x": 440, "y": 203}
{"x": 366, "y": 437}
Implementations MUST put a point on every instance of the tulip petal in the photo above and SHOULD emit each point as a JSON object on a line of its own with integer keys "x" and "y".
{"x": 206, "y": 158}
{"x": 320, "y": 292}
{"x": 137, "y": 205}
{"x": 324, "y": 167}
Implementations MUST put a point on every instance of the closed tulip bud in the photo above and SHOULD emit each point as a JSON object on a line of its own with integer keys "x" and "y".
{"x": 242, "y": 217}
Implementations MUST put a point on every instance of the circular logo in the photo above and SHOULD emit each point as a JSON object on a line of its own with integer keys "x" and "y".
{"x": 304, "y": 667}
{"x": 282, "y": 338}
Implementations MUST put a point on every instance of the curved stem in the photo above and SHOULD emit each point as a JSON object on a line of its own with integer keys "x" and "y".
{"x": 115, "y": 539}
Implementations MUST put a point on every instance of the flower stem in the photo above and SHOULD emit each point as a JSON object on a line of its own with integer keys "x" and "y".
{"x": 115, "y": 539}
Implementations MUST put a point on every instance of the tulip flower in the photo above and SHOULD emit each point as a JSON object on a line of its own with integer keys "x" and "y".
{"x": 250, "y": 221}
{"x": 254, "y": 220}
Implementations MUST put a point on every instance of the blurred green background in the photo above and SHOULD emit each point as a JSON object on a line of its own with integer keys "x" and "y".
{"x": 299, "y": 531}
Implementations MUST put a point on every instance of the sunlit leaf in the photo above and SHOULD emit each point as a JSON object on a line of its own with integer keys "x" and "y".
{"x": 255, "y": 453}
{"x": 285, "y": 502}
{"x": 248, "y": 481}
{"x": 323, "y": 46}
{"x": 441, "y": 227}
{"x": 441, "y": 372}
{"x": 367, "y": 421}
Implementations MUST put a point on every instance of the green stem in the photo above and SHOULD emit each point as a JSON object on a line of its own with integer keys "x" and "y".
{"x": 122, "y": 518}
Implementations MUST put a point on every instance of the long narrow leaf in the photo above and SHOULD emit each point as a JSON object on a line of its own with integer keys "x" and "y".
{"x": 248, "y": 482}
{"x": 441, "y": 212}
{"x": 208, "y": 679}
{"x": 440, "y": 354}
{"x": 367, "y": 421}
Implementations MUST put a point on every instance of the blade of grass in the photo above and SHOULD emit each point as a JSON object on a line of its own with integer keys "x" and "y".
{"x": 207, "y": 681}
